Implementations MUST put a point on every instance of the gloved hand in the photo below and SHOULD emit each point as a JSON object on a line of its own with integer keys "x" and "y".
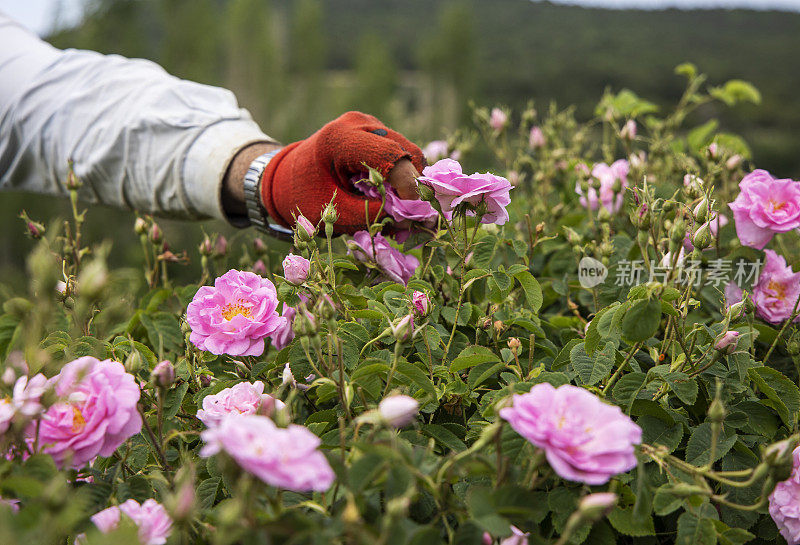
{"x": 302, "y": 178}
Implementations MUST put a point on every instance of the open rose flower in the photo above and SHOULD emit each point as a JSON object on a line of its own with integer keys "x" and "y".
{"x": 452, "y": 188}
{"x": 777, "y": 289}
{"x": 235, "y": 315}
{"x": 151, "y": 519}
{"x": 397, "y": 266}
{"x": 403, "y": 211}
{"x": 607, "y": 195}
{"x": 784, "y": 503}
{"x": 583, "y": 438}
{"x": 6, "y": 415}
{"x": 242, "y": 399}
{"x": 765, "y": 206}
{"x": 95, "y": 412}
{"x": 438, "y": 149}
{"x": 283, "y": 457}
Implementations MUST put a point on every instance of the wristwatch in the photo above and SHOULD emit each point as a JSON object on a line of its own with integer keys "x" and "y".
{"x": 252, "y": 198}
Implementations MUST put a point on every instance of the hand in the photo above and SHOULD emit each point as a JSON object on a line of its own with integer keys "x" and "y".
{"x": 303, "y": 177}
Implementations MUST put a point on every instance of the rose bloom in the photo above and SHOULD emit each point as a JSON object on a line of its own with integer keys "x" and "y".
{"x": 242, "y": 399}
{"x": 151, "y": 519}
{"x": 421, "y": 302}
{"x": 452, "y": 187}
{"x": 606, "y": 176}
{"x": 777, "y": 289}
{"x": 536, "y": 138}
{"x": 7, "y": 413}
{"x": 395, "y": 265}
{"x": 765, "y": 206}
{"x": 28, "y": 393}
{"x": 438, "y": 149}
{"x": 583, "y": 438}
{"x": 282, "y": 457}
{"x": 95, "y": 414}
{"x": 235, "y": 316}
{"x": 784, "y": 503}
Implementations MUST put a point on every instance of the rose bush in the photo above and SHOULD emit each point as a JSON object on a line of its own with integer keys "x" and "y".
{"x": 585, "y": 345}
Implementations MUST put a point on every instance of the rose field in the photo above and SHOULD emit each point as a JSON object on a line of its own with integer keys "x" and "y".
{"x": 592, "y": 340}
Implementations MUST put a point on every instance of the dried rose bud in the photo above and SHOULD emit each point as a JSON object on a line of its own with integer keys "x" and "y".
{"x": 514, "y": 344}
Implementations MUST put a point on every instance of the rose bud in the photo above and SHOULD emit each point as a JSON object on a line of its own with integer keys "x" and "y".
{"x": 628, "y": 131}
{"x": 205, "y": 247}
{"x": 259, "y": 247}
{"x": 140, "y": 226}
{"x": 536, "y": 138}
{"x": 156, "y": 235}
{"x": 514, "y": 344}
{"x": 305, "y": 229}
{"x": 295, "y": 269}
{"x": 727, "y": 343}
{"x": 421, "y": 303}
{"x": 733, "y": 162}
{"x": 498, "y": 119}
{"x": 398, "y": 410}
{"x": 403, "y": 329}
{"x": 220, "y": 246}
{"x": 259, "y": 268}
{"x": 163, "y": 374}
{"x": 287, "y": 377}
{"x": 595, "y": 506}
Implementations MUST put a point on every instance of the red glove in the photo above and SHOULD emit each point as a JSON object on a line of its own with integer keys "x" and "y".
{"x": 302, "y": 178}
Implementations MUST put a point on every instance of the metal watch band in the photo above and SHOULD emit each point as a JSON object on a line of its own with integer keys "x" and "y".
{"x": 252, "y": 198}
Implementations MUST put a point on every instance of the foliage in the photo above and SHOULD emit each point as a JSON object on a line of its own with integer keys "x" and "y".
{"x": 507, "y": 312}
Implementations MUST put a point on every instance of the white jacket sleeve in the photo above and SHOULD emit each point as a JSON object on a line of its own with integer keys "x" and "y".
{"x": 139, "y": 138}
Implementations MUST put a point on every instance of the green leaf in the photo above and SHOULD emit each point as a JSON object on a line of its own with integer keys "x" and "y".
{"x": 563, "y": 357}
{"x": 533, "y": 291}
{"x": 418, "y": 377}
{"x": 444, "y": 437}
{"x": 174, "y": 397}
{"x": 683, "y": 386}
{"x": 207, "y": 492}
{"x": 698, "y": 448}
{"x": 163, "y": 331}
{"x": 590, "y": 369}
{"x": 641, "y": 320}
{"x": 700, "y": 137}
{"x": 471, "y": 356}
{"x": 628, "y": 387}
{"x": 695, "y": 531}
{"x": 782, "y": 392}
{"x": 625, "y": 522}
{"x": 657, "y": 432}
{"x": 664, "y": 502}
{"x": 484, "y": 250}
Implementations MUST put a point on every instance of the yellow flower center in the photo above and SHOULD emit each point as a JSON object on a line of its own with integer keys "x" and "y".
{"x": 235, "y": 309}
{"x": 778, "y": 288}
{"x": 78, "y": 422}
{"x": 777, "y": 205}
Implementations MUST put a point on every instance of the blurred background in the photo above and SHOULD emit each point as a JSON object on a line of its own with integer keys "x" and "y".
{"x": 417, "y": 64}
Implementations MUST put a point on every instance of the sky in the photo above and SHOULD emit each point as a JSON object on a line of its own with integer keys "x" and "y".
{"x": 39, "y": 15}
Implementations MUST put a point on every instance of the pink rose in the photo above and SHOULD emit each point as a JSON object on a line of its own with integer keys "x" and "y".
{"x": 607, "y": 177}
{"x": 628, "y": 131}
{"x": 421, "y": 303}
{"x": 7, "y": 413}
{"x": 452, "y": 188}
{"x": 727, "y": 343}
{"x": 536, "y": 138}
{"x": 283, "y": 457}
{"x": 151, "y": 519}
{"x": 95, "y": 414}
{"x": 295, "y": 269}
{"x": 402, "y": 211}
{"x": 765, "y": 206}
{"x": 397, "y": 266}
{"x": 777, "y": 289}
{"x": 435, "y": 150}
{"x": 498, "y": 119}
{"x": 517, "y": 537}
{"x": 242, "y": 399}
{"x": 398, "y": 410}
{"x": 235, "y": 316}
{"x": 784, "y": 503}
{"x": 284, "y": 334}
{"x": 583, "y": 438}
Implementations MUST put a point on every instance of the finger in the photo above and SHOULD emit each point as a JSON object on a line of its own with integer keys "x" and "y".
{"x": 414, "y": 151}
{"x": 403, "y": 179}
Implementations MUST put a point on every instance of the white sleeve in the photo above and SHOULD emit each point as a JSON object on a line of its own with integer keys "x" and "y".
{"x": 139, "y": 138}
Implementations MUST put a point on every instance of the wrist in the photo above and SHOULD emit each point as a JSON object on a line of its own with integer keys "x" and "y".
{"x": 233, "y": 202}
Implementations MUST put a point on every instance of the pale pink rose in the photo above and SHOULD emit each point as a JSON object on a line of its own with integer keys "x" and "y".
{"x": 397, "y": 266}
{"x": 7, "y": 413}
{"x": 282, "y": 457}
{"x": 151, "y": 519}
{"x": 498, "y": 119}
{"x": 517, "y": 537}
{"x": 765, "y": 206}
{"x": 421, "y": 302}
{"x": 452, "y": 188}
{"x": 606, "y": 176}
{"x": 259, "y": 267}
{"x": 435, "y": 150}
{"x": 235, "y": 316}
{"x": 628, "y": 131}
{"x": 398, "y": 410}
{"x": 777, "y": 290}
{"x": 536, "y": 138}
{"x": 784, "y": 503}
{"x": 583, "y": 438}
{"x": 733, "y": 294}
{"x": 241, "y": 399}
{"x": 295, "y": 269}
{"x": 95, "y": 412}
